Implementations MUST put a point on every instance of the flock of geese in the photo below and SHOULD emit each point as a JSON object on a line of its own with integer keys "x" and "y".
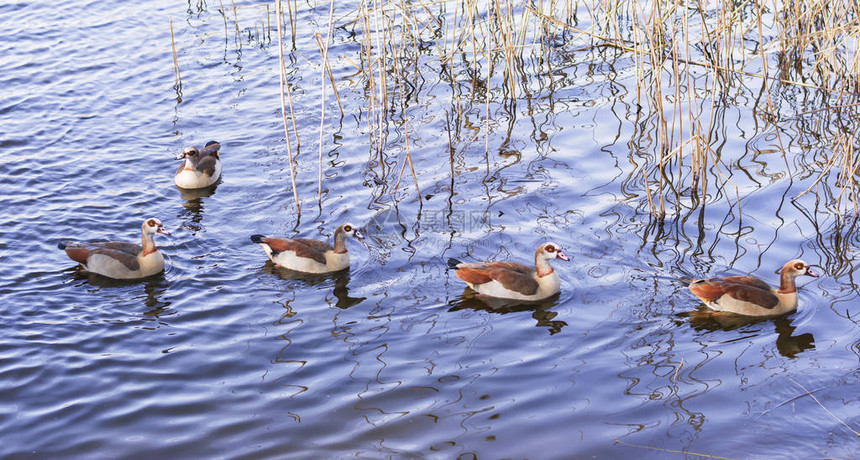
{"x": 745, "y": 295}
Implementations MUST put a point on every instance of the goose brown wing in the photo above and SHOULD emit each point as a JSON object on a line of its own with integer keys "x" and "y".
{"x": 129, "y": 248}
{"x": 207, "y": 165}
{"x": 299, "y": 246}
{"x": 513, "y": 276}
{"x": 129, "y": 260}
{"x": 320, "y": 246}
{"x": 512, "y": 266}
{"x": 748, "y": 281}
{"x": 764, "y": 298}
{"x": 751, "y": 290}
{"x": 211, "y": 148}
{"x": 515, "y": 280}
{"x": 126, "y": 253}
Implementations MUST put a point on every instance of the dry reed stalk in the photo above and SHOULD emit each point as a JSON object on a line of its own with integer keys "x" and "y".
{"x": 324, "y": 52}
{"x": 328, "y": 72}
{"x": 651, "y": 209}
{"x": 397, "y": 54}
{"x": 654, "y": 38}
{"x": 685, "y": 452}
{"x": 409, "y": 162}
{"x": 827, "y": 167}
{"x": 825, "y": 409}
{"x": 637, "y": 62}
{"x": 383, "y": 82}
{"x": 177, "y": 78}
{"x": 713, "y": 66}
{"x": 367, "y": 59}
{"x": 375, "y": 107}
{"x": 454, "y": 46}
{"x": 723, "y": 43}
{"x": 236, "y": 23}
{"x": 292, "y": 112}
{"x": 472, "y": 27}
{"x": 677, "y": 370}
{"x": 692, "y": 114}
{"x": 765, "y": 85}
{"x": 285, "y": 89}
{"x": 677, "y": 108}
{"x": 507, "y": 47}
{"x": 661, "y": 36}
{"x": 376, "y": 91}
{"x": 676, "y": 151}
{"x": 487, "y": 90}
{"x": 450, "y": 150}
{"x": 224, "y": 17}
{"x": 294, "y": 15}
{"x": 406, "y": 143}
{"x": 846, "y": 178}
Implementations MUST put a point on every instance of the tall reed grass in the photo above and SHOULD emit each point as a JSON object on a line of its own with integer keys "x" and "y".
{"x": 688, "y": 60}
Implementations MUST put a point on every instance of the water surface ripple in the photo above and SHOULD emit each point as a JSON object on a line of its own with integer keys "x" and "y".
{"x": 224, "y": 355}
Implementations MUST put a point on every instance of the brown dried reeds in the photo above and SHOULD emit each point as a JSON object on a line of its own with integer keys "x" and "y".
{"x": 688, "y": 58}
{"x": 285, "y": 93}
{"x": 177, "y": 78}
{"x": 728, "y": 39}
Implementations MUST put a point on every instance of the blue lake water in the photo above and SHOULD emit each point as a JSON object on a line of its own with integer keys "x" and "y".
{"x": 226, "y": 356}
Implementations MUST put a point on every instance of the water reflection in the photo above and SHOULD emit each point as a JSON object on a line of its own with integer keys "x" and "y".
{"x": 341, "y": 282}
{"x": 154, "y": 287}
{"x": 540, "y": 309}
{"x": 193, "y": 205}
{"x": 788, "y": 344}
{"x": 101, "y": 281}
{"x": 197, "y": 193}
{"x": 288, "y": 355}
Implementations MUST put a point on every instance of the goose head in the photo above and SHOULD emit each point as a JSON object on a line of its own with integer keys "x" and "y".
{"x": 797, "y": 267}
{"x": 349, "y": 230}
{"x": 549, "y": 251}
{"x": 152, "y": 226}
{"x": 191, "y": 156}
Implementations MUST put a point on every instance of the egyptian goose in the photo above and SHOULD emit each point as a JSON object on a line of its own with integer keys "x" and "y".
{"x": 509, "y": 280}
{"x": 201, "y": 168}
{"x": 310, "y": 256}
{"x": 120, "y": 260}
{"x": 748, "y": 295}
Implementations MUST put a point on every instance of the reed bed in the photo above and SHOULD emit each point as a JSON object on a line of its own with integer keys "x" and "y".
{"x": 684, "y": 64}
